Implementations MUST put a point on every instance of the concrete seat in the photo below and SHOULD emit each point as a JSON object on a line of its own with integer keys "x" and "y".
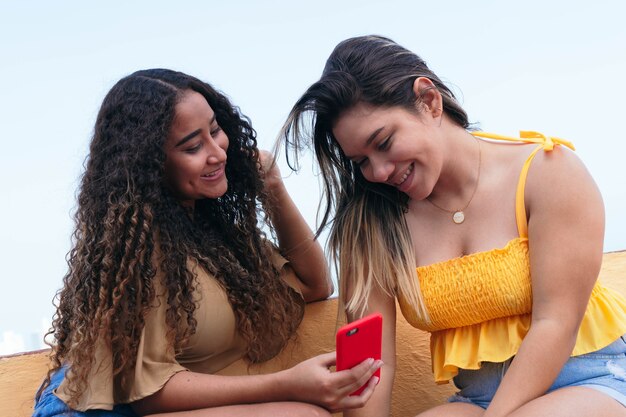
{"x": 414, "y": 388}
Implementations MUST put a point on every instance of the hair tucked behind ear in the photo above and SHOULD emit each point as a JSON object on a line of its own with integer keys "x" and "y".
{"x": 369, "y": 236}
{"x": 129, "y": 226}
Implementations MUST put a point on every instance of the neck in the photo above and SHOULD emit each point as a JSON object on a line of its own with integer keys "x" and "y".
{"x": 460, "y": 171}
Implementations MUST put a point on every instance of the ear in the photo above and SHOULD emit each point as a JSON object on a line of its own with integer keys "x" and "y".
{"x": 429, "y": 98}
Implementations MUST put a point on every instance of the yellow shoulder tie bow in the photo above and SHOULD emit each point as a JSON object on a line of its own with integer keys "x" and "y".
{"x": 529, "y": 136}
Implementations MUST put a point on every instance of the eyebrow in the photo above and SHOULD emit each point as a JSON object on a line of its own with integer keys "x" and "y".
{"x": 370, "y": 139}
{"x": 193, "y": 134}
{"x": 188, "y": 138}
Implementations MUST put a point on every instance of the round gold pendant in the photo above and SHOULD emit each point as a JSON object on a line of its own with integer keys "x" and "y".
{"x": 458, "y": 217}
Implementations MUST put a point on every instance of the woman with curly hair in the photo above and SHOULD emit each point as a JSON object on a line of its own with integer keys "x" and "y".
{"x": 170, "y": 278}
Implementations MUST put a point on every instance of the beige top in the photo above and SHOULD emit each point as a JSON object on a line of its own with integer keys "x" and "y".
{"x": 215, "y": 345}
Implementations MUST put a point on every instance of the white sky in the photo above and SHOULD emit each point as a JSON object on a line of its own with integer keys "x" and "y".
{"x": 553, "y": 66}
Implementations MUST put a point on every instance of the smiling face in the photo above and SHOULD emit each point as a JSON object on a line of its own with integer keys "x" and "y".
{"x": 195, "y": 152}
{"x": 392, "y": 145}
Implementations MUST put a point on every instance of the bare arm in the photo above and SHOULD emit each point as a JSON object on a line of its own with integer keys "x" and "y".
{"x": 296, "y": 239}
{"x": 566, "y": 228}
{"x": 379, "y": 404}
{"x": 310, "y": 381}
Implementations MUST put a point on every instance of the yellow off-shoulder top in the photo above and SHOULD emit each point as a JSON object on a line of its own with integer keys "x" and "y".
{"x": 479, "y": 305}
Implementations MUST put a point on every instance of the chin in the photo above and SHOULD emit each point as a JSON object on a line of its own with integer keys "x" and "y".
{"x": 217, "y": 192}
{"x": 417, "y": 194}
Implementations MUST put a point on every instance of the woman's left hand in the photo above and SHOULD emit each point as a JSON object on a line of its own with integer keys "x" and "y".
{"x": 311, "y": 381}
{"x": 270, "y": 171}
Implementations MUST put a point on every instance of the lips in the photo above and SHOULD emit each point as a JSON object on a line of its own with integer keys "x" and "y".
{"x": 213, "y": 175}
{"x": 403, "y": 179}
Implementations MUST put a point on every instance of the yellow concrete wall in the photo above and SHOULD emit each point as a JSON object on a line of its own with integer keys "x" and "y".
{"x": 414, "y": 389}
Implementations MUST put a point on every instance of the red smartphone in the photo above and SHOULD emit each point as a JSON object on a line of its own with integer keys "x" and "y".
{"x": 360, "y": 340}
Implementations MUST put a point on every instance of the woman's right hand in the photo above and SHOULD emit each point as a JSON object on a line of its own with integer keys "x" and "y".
{"x": 313, "y": 382}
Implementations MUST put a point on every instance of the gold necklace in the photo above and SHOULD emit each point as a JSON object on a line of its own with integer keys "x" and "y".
{"x": 458, "y": 216}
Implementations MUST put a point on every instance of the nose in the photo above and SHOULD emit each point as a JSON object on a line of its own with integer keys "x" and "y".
{"x": 380, "y": 170}
{"x": 216, "y": 151}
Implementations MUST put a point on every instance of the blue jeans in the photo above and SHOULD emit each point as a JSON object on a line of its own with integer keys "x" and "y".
{"x": 603, "y": 370}
{"x": 49, "y": 405}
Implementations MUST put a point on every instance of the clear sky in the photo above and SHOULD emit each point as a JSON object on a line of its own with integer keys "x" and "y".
{"x": 553, "y": 66}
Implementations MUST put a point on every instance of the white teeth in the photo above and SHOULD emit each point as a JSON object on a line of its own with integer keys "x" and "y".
{"x": 406, "y": 175}
{"x": 210, "y": 174}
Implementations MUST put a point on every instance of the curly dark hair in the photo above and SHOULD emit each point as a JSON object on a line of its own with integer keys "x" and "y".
{"x": 128, "y": 225}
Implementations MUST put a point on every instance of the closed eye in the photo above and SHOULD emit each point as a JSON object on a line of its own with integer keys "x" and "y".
{"x": 216, "y": 130}
{"x": 384, "y": 145}
{"x": 194, "y": 149}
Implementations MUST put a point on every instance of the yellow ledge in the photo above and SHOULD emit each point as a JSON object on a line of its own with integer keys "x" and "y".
{"x": 414, "y": 389}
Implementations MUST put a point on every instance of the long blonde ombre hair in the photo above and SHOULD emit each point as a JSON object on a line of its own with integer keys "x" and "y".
{"x": 369, "y": 237}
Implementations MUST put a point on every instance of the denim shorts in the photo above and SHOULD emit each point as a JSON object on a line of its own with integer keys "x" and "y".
{"x": 603, "y": 370}
{"x": 49, "y": 405}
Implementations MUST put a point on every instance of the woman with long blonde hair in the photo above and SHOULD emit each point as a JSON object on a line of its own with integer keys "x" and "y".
{"x": 492, "y": 244}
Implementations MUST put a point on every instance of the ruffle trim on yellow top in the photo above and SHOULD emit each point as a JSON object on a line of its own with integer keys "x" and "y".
{"x": 467, "y": 347}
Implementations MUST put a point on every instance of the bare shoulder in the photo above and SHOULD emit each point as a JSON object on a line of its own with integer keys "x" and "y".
{"x": 558, "y": 170}
{"x": 559, "y": 184}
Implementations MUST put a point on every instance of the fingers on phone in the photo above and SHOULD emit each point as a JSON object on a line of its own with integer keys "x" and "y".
{"x": 369, "y": 366}
{"x": 358, "y": 401}
{"x": 363, "y": 372}
{"x": 371, "y": 386}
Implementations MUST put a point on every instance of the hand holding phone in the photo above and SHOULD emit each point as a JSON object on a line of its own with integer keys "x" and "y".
{"x": 358, "y": 341}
